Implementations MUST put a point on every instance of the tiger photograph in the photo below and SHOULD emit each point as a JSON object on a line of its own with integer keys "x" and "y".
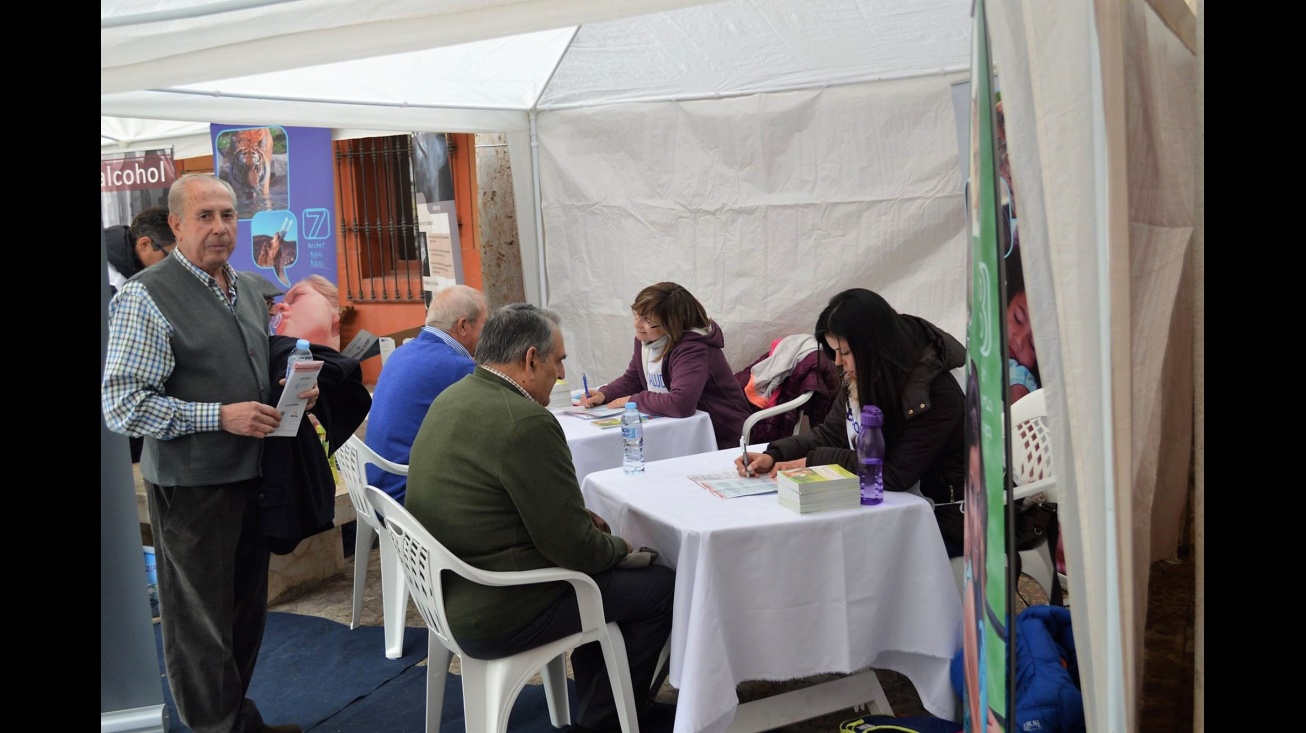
{"x": 253, "y": 162}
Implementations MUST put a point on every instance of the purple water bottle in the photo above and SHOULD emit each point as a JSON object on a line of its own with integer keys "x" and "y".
{"x": 870, "y": 456}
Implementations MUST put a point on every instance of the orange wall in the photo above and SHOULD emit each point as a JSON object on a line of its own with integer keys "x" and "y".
{"x": 384, "y": 319}
{"x": 381, "y": 319}
{"x": 462, "y": 164}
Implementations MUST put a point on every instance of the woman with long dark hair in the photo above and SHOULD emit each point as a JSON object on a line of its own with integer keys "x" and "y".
{"x": 899, "y": 363}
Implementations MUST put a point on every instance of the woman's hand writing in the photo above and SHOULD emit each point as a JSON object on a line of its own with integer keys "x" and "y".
{"x": 758, "y": 463}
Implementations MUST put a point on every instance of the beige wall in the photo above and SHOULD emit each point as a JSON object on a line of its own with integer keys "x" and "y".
{"x": 501, "y": 275}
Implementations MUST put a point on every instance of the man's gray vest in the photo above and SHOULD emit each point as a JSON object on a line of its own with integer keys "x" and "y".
{"x": 220, "y": 357}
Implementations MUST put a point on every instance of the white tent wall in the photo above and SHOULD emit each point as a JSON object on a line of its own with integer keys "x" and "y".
{"x": 1121, "y": 295}
{"x": 762, "y": 206}
{"x": 1162, "y": 124}
{"x": 1162, "y": 161}
{"x": 1045, "y": 63}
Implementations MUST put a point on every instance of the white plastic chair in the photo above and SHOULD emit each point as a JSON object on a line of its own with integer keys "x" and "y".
{"x": 352, "y": 460}
{"x": 753, "y": 419}
{"x": 1031, "y": 458}
{"x": 491, "y": 686}
{"x": 1032, "y": 471}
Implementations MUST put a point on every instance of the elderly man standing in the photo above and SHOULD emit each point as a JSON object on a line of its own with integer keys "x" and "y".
{"x": 417, "y": 373}
{"x": 491, "y": 477}
{"x": 187, "y": 368}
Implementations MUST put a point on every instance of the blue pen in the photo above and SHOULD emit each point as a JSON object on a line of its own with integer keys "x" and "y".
{"x": 585, "y": 382}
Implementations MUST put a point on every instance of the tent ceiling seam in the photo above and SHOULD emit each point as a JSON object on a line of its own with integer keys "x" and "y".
{"x": 552, "y": 72}
{"x": 748, "y": 93}
{"x": 347, "y": 102}
{"x": 187, "y": 13}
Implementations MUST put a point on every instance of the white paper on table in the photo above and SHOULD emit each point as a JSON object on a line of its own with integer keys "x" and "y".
{"x": 302, "y": 376}
{"x": 729, "y": 484}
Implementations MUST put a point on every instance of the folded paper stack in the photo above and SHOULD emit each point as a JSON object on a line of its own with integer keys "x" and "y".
{"x": 817, "y": 489}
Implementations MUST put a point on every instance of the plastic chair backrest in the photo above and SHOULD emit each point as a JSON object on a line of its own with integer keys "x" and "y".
{"x": 1031, "y": 441}
{"x": 808, "y": 388}
{"x": 1033, "y": 473}
{"x": 352, "y": 459}
{"x": 753, "y": 419}
{"x": 424, "y": 560}
{"x": 490, "y": 686}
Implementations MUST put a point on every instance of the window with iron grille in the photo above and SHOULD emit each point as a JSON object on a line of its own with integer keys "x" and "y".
{"x": 378, "y": 220}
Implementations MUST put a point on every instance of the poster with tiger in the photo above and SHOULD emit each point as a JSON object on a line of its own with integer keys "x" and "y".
{"x": 284, "y": 183}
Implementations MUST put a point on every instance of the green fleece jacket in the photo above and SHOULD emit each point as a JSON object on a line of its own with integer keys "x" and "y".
{"x": 491, "y": 478}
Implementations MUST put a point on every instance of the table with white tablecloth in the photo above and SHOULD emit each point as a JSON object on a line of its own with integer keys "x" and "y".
{"x": 764, "y": 593}
{"x": 594, "y": 448}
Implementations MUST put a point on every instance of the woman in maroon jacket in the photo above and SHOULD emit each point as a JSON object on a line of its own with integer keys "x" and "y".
{"x": 678, "y": 366}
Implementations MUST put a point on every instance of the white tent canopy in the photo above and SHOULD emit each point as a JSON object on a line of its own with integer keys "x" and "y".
{"x": 767, "y": 154}
{"x": 717, "y": 49}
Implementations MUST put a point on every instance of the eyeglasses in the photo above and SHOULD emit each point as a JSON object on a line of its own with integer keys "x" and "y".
{"x": 639, "y": 318}
{"x": 164, "y": 248}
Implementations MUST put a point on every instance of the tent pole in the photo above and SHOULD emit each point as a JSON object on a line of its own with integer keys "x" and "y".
{"x": 535, "y": 170}
{"x": 539, "y": 214}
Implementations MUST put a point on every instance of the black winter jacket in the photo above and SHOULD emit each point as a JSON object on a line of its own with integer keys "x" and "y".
{"x": 298, "y": 492}
{"x": 929, "y": 444}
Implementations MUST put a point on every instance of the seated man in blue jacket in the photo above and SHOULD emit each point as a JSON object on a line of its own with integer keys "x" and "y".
{"x": 417, "y": 373}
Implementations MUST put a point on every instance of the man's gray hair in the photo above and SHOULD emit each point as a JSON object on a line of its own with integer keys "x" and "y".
{"x": 513, "y": 329}
{"x": 177, "y": 192}
{"x": 453, "y": 302}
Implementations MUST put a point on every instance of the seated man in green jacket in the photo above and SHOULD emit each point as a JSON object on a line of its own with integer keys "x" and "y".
{"x": 491, "y": 477}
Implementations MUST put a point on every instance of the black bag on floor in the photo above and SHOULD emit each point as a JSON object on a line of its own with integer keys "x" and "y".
{"x": 1035, "y": 523}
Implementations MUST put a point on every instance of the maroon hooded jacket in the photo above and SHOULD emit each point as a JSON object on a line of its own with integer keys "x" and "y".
{"x": 699, "y": 378}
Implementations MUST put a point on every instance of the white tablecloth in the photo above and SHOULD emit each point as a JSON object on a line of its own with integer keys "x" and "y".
{"x": 594, "y": 449}
{"x": 763, "y": 593}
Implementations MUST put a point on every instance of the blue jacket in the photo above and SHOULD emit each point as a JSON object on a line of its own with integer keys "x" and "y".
{"x": 1048, "y": 698}
{"x": 414, "y": 375}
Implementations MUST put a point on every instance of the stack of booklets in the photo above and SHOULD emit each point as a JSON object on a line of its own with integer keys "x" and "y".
{"x": 818, "y": 489}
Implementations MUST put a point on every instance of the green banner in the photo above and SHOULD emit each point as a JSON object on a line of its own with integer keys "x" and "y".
{"x": 987, "y": 593}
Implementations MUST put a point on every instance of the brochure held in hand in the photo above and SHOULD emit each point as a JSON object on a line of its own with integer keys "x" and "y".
{"x": 302, "y": 376}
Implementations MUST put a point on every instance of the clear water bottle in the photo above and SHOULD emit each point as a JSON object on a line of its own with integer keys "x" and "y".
{"x": 870, "y": 456}
{"x": 302, "y": 352}
{"x": 632, "y": 439}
